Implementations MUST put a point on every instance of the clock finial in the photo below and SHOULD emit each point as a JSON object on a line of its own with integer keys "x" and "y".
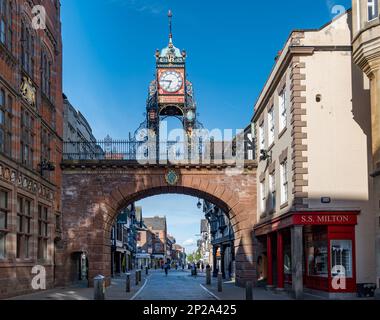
{"x": 170, "y": 16}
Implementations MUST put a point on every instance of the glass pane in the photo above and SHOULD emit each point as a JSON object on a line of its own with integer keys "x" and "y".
{"x": 18, "y": 253}
{"x": 316, "y": 251}
{"x": 26, "y": 253}
{"x": 3, "y": 200}
{"x": 19, "y": 223}
{"x": 2, "y": 245}
{"x": 341, "y": 258}
{"x": 3, "y": 220}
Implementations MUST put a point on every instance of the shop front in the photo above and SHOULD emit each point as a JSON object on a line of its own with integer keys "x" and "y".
{"x": 308, "y": 250}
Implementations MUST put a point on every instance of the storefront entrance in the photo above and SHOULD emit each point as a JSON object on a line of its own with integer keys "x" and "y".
{"x": 313, "y": 250}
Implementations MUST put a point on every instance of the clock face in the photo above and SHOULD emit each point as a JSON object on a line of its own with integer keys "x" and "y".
{"x": 171, "y": 81}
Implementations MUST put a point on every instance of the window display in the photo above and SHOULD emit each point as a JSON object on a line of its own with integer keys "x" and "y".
{"x": 341, "y": 256}
{"x": 317, "y": 254}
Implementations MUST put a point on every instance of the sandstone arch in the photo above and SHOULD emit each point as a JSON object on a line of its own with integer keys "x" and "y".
{"x": 93, "y": 195}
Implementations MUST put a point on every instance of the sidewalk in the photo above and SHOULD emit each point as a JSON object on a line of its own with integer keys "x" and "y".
{"x": 116, "y": 291}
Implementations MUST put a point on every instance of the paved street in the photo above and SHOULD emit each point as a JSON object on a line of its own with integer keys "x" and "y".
{"x": 178, "y": 285}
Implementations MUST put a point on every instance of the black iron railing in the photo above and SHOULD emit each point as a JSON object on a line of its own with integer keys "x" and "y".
{"x": 157, "y": 152}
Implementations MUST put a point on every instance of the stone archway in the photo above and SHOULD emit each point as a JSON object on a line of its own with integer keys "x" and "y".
{"x": 93, "y": 194}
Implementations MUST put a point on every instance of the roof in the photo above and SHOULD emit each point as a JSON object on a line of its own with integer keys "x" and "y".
{"x": 155, "y": 223}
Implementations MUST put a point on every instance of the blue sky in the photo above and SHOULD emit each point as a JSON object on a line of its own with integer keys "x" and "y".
{"x": 109, "y": 48}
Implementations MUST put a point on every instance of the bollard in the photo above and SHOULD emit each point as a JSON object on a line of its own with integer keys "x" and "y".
{"x": 248, "y": 291}
{"x": 208, "y": 276}
{"x": 220, "y": 280}
{"x": 99, "y": 287}
{"x": 146, "y": 270}
{"x": 137, "y": 278}
{"x": 128, "y": 283}
{"x": 139, "y": 275}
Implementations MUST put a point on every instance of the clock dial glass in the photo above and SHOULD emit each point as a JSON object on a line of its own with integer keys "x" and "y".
{"x": 171, "y": 81}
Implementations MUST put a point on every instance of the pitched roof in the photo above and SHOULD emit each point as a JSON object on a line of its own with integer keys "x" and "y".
{"x": 155, "y": 223}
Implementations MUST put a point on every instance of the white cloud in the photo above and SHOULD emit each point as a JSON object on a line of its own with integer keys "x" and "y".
{"x": 189, "y": 242}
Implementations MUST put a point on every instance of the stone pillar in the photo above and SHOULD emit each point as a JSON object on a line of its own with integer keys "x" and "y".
{"x": 280, "y": 261}
{"x": 375, "y": 111}
{"x": 297, "y": 248}
{"x": 214, "y": 262}
{"x": 222, "y": 262}
{"x": 270, "y": 262}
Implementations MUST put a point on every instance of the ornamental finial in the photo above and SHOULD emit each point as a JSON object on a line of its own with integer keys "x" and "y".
{"x": 170, "y": 16}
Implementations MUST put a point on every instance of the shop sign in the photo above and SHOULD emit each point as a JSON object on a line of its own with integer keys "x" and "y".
{"x": 325, "y": 219}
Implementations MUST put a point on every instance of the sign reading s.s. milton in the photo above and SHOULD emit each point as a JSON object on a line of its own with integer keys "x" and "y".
{"x": 344, "y": 218}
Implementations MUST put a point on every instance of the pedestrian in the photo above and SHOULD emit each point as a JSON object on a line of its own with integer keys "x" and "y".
{"x": 166, "y": 267}
{"x": 202, "y": 266}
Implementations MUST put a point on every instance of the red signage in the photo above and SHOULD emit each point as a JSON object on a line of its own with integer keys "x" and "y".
{"x": 346, "y": 218}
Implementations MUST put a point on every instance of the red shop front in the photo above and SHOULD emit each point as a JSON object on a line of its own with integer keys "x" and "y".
{"x": 328, "y": 250}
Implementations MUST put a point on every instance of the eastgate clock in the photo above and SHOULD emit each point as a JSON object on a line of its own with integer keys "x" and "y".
{"x": 171, "y": 81}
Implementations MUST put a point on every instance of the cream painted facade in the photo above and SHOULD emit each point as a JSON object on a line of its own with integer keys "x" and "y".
{"x": 366, "y": 52}
{"x": 326, "y": 141}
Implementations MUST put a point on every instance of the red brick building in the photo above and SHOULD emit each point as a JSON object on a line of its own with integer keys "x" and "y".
{"x": 31, "y": 109}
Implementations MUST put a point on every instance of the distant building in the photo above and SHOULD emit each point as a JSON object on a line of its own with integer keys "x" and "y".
{"x": 158, "y": 228}
{"x": 124, "y": 238}
{"x": 77, "y": 134}
{"x": 204, "y": 244}
{"x": 222, "y": 240}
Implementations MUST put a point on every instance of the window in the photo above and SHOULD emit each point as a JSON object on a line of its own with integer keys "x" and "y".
{"x": 5, "y": 124}
{"x": 282, "y": 110}
{"x": 3, "y": 222}
{"x": 45, "y": 74}
{"x": 24, "y": 232}
{"x": 261, "y": 137}
{"x": 284, "y": 182}
{"x": 27, "y": 49}
{"x": 43, "y": 234}
{"x": 262, "y": 196}
{"x": 373, "y": 9}
{"x": 272, "y": 188}
{"x": 6, "y": 23}
{"x": 271, "y": 126}
{"x": 27, "y": 138}
{"x": 341, "y": 256}
{"x": 317, "y": 254}
{"x": 45, "y": 148}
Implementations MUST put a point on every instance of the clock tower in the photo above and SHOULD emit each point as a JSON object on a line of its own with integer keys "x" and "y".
{"x": 171, "y": 93}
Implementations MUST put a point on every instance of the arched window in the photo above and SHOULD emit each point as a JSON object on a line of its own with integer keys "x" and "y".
{"x": 46, "y": 66}
{"x": 27, "y": 49}
{"x": 6, "y": 23}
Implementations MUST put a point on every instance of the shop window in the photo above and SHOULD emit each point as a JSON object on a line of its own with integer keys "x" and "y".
{"x": 287, "y": 260}
{"x": 317, "y": 254}
{"x": 341, "y": 256}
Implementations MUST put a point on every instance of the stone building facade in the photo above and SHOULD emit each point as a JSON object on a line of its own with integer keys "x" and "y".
{"x": 313, "y": 133}
{"x": 366, "y": 54}
{"x": 31, "y": 111}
